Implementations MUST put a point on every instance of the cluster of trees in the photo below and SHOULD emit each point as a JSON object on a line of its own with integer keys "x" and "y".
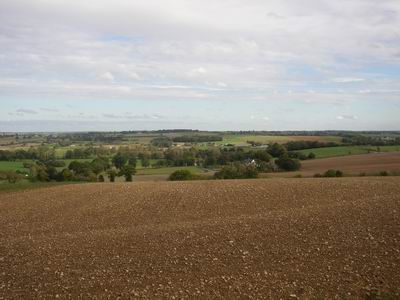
{"x": 103, "y": 137}
{"x": 301, "y": 145}
{"x": 261, "y": 158}
{"x": 232, "y": 171}
{"x": 237, "y": 171}
{"x": 39, "y": 153}
{"x": 371, "y": 140}
{"x": 197, "y": 139}
{"x": 161, "y": 142}
{"x": 88, "y": 152}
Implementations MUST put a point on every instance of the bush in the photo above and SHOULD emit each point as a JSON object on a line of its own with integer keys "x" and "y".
{"x": 288, "y": 164}
{"x": 276, "y": 150}
{"x": 13, "y": 177}
{"x": 101, "y": 178}
{"x": 311, "y": 155}
{"x": 181, "y": 175}
{"x": 317, "y": 175}
{"x": 339, "y": 173}
{"x": 383, "y": 173}
{"x": 330, "y": 173}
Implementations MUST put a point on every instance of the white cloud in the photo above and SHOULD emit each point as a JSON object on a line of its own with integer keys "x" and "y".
{"x": 347, "y": 80}
{"x": 107, "y": 76}
{"x": 347, "y": 117}
{"x": 285, "y": 51}
{"x": 26, "y": 111}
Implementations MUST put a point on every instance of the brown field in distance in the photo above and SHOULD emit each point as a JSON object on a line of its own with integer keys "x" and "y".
{"x": 370, "y": 164}
{"x": 266, "y": 238}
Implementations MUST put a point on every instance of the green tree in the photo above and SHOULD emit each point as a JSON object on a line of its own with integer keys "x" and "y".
{"x": 277, "y": 150}
{"x": 119, "y": 160}
{"x": 127, "y": 171}
{"x": 111, "y": 175}
{"x": 288, "y": 164}
{"x": 145, "y": 162}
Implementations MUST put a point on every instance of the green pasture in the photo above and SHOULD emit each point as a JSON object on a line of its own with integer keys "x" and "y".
{"x": 167, "y": 170}
{"x": 12, "y": 166}
{"x": 348, "y": 150}
{"x": 27, "y": 185}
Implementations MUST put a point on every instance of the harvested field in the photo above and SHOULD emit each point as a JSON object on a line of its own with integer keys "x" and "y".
{"x": 277, "y": 238}
{"x": 371, "y": 164}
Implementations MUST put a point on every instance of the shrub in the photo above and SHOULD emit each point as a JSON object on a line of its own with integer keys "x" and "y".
{"x": 101, "y": 178}
{"x": 333, "y": 173}
{"x": 317, "y": 175}
{"x": 276, "y": 150}
{"x": 181, "y": 175}
{"x": 339, "y": 173}
{"x": 330, "y": 173}
{"x": 311, "y": 155}
{"x": 288, "y": 164}
{"x": 13, "y": 177}
{"x": 383, "y": 173}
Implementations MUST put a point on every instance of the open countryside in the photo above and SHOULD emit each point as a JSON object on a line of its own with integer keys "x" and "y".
{"x": 185, "y": 149}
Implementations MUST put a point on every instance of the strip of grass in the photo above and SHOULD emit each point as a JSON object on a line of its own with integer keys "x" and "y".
{"x": 6, "y": 187}
{"x": 348, "y": 150}
{"x": 168, "y": 170}
{"x": 12, "y": 166}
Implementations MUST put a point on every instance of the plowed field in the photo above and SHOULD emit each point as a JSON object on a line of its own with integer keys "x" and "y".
{"x": 370, "y": 164}
{"x": 274, "y": 238}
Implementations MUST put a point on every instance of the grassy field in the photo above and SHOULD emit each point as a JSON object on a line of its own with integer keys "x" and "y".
{"x": 167, "y": 170}
{"x": 12, "y": 166}
{"x": 348, "y": 150}
{"x": 27, "y": 185}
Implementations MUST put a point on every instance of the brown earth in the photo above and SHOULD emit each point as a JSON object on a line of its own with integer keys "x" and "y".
{"x": 371, "y": 164}
{"x": 273, "y": 238}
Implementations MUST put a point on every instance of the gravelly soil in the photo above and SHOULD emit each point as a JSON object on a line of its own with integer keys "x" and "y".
{"x": 277, "y": 238}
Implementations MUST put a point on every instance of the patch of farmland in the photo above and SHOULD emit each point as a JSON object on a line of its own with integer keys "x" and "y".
{"x": 265, "y": 139}
{"x": 12, "y": 166}
{"x": 366, "y": 163}
{"x": 167, "y": 170}
{"x": 277, "y": 238}
{"x": 370, "y": 164}
{"x": 348, "y": 150}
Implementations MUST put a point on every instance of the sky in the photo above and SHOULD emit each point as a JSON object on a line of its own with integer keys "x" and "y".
{"x": 83, "y": 65}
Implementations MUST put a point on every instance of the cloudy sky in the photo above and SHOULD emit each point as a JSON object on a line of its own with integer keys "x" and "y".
{"x": 201, "y": 64}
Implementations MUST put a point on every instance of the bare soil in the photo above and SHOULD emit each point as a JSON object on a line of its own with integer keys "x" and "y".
{"x": 370, "y": 164}
{"x": 274, "y": 238}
